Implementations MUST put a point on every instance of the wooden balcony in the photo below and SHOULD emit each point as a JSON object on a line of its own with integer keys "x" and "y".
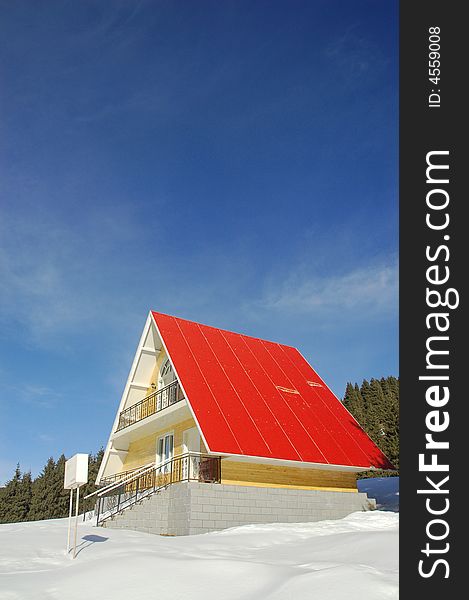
{"x": 150, "y": 405}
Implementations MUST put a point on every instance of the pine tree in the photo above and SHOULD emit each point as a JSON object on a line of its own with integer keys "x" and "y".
{"x": 16, "y": 498}
{"x": 376, "y": 407}
{"x": 25, "y": 495}
{"x": 59, "y": 496}
{"x": 41, "y": 507}
{"x": 368, "y": 416}
{"x": 90, "y": 487}
{"x": 8, "y": 497}
{"x": 353, "y": 402}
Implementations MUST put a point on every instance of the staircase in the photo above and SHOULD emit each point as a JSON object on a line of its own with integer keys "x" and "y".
{"x": 133, "y": 488}
{"x": 151, "y": 514}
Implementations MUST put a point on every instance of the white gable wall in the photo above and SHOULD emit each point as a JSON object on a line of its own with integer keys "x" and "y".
{"x": 150, "y": 347}
{"x": 138, "y": 382}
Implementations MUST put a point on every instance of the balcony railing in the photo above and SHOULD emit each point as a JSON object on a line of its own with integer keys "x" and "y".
{"x": 119, "y": 495}
{"x": 150, "y": 405}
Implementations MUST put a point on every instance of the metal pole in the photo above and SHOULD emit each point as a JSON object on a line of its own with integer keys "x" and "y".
{"x": 98, "y": 509}
{"x": 76, "y": 523}
{"x": 69, "y": 520}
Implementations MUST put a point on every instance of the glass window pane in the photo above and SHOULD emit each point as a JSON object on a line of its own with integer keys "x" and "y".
{"x": 160, "y": 448}
{"x": 168, "y": 449}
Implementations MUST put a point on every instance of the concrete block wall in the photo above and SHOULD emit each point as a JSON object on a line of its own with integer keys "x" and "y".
{"x": 190, "y": 507}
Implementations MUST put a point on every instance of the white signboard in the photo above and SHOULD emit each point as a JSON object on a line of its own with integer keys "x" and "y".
{"x": 76, "y": 471}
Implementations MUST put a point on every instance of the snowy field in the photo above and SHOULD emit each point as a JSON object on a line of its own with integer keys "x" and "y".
{"x": 355, "y": 558}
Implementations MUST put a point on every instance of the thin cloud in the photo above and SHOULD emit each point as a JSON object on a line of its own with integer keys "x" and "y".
{"x": 366, "y": 292}
{"x": 35, "y": 294}
{"x": 51, "y": 275}
{"x": 35, "y": 395}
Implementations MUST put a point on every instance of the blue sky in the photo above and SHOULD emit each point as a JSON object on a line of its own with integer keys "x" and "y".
{"x": 233, "y": 163}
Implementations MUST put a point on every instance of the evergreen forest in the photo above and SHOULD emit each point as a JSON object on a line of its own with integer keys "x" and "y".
{"x": 375, "y": 405}
{"x": 27, "y": 499}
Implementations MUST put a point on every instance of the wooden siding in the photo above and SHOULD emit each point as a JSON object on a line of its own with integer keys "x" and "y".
{"x": 143, "y": 451}
{"x": 265, "y": 475}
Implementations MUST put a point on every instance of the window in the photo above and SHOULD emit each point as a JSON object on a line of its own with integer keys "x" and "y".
{"x": 166, "y": 374}
{"x": 164, "y": 452}
{"x": 167, "y": 377}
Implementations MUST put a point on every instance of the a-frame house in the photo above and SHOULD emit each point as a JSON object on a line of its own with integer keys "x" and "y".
{"x": 217, "y": 428}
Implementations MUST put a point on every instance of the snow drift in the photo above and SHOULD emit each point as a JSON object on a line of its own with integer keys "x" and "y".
{"x": 354, "y": 558}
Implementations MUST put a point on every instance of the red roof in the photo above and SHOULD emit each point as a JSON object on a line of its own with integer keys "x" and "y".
{"x": 257, "y": 398}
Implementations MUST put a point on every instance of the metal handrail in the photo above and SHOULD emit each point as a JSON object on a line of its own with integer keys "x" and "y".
{"x": 151, "y": 404}
{"x": 190, "y": 466}
{"x": 132, "y": 474}
{"x": 143, "y": 471}
{"x": 126, "y": 481}
{"x": 119, "y": 476}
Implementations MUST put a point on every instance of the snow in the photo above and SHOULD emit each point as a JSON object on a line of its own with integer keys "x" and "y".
{"x": 385, "y": 490}
{"x": 354, "y": 558}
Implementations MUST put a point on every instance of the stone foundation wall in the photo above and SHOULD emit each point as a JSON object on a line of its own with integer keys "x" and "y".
{"x": 190, "y": 507}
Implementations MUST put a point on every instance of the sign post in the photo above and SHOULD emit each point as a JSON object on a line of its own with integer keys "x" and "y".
{"x": 69, "y": 519}
{"x": 76, "y": 474}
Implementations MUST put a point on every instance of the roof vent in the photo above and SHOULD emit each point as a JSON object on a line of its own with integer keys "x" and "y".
{"x": 288, "y": 390}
